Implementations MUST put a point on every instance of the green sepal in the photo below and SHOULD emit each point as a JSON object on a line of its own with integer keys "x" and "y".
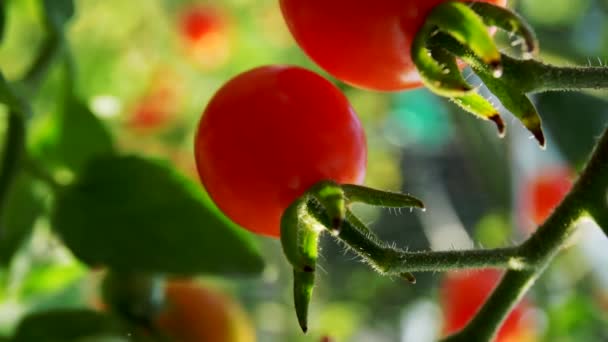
{"x": 472, "y": 102}
{"x": 356, "y": 222}
{"x": 303, "y": 284}
{"x": 462, "y": 23}
{"x": 517, "y": 103}
{"x": 509, "y": 21}
{"x": 438, "y": 77}
{"x": 481, "y": 108}
{"x": 363, "y": 194}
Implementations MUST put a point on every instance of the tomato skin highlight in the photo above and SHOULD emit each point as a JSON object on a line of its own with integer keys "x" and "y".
{"x": 365, "y": 43}
{"x": 464, "y": 292}
{"x": 271, "y": 133}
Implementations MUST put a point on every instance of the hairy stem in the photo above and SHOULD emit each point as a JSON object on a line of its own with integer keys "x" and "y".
{"x": 543, "y": 245}
{"x": 393, "y": 261}
{"x": 390, "y": 260}
{"x": 551, "y": 77}
{"x": 530, "y": 75}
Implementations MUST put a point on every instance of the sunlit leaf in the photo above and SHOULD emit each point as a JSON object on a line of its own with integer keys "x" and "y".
{"x": 134, "y": 214}
{"x": 73, "y": 136}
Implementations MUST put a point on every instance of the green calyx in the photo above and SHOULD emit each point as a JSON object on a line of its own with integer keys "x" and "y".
{"x": 456, "y": 30}
{"x": 324, "y": 207}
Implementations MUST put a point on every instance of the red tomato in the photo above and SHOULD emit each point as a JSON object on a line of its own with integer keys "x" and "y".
{"x": 205, "y": 32}
{"x": 365, "y": 43}
{"x": 152, "y": 111}
{"x": 545, "y": 191}
{"x": 463, "y": 293}
{"x": 271, "y": 133}
{"x": 196, "y": 313}
{"x": 157, "y": 107}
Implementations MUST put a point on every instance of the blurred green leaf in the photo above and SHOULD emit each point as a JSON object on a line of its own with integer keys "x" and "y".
{"x": 66, "y": 326}
{"x": 58, "y": 12}
{"x": 2, "y": 19}
{"x": 22, "y": 208}
{"x": 72, "y": 137}
{"x": 574, "y": 120}
{"x": 576, "y": 318}
{"x": 49, "y": 279}
{"x": 133, "y": 214}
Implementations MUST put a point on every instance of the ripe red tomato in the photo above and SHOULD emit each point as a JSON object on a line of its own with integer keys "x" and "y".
{"x": 196, "y": 22}
{"x": 152, "y": 111}
{"x": 271, "y": 133}
{"x": 196, "y": 313}
{"x": 365, "y": 43}
{"x": 204, "y": 30}
{"x": 545, "y": 191}
{"x": 463, "y": 293}
{"x": 157, "y": 107}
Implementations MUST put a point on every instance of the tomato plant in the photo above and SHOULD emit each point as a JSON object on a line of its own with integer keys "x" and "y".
{"x": 268, "y": 135}
{"x": 198, "y": 313}
{"x": 544, "y": 191}
{"x": 463, "y": 293}
{"x": 363, "y": 43}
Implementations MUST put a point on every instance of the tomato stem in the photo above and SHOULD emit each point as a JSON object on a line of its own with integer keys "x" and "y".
{"x": 392, "y": 261}
{"x": 51, "y": 48}
{"x": 525, "y": 263}
{"x": 587, "y": 198}
{"x": 14, "y": 146}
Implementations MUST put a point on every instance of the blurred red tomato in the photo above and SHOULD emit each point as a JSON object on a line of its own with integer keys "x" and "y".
{"x": 463, "y": 293}
{"x": 205, "y": 33}
{"x": 158, "y": 106}
{"x": 152, "y": 111}
{"x": 197, "y": 313}
{"x": 544, "y": 191}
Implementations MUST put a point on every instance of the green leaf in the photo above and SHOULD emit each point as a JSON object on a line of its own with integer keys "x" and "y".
{"x": 22, "y": 208}
{"x": 66, "y": 326}
{"x": 138, "y": 215}
{"x": 2, "y": 19}
{"x": 72, "y": 137}
{"x": 58, "y": 12}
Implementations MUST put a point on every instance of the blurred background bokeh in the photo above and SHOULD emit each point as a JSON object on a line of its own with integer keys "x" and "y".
{"x": 147, "y": 68}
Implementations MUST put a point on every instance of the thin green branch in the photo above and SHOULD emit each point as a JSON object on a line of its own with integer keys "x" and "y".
{"x": 393, "y": 261}
{"x": 50, "y": 49}
{"x": 543, "y": 245}
{"x": 13, "y": 149}
{"x": 503, "y": 299}
{"x": 530, "y": 75}
{"x": 550, "y": 77}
